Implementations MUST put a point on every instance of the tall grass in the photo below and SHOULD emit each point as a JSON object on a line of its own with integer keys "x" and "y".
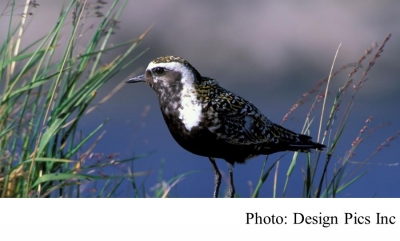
{"x": 317, "y": 182}
{"x": 46, "y": 88}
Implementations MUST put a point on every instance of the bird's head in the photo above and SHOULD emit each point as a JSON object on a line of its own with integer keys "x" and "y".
{"x": 168, "y": 74}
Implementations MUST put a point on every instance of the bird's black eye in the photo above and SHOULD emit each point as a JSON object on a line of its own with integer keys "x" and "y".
{"x": 158, "y": 70}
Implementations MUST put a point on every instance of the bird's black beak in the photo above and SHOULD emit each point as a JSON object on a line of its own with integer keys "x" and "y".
{"x": 140, "y": 78}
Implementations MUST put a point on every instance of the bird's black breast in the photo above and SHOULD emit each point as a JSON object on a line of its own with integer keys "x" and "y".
{"x": 204, "y": 143}
{"x": 200, "y": 140}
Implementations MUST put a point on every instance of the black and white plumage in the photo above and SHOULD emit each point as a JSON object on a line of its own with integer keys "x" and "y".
{"x": 210, "y": 121}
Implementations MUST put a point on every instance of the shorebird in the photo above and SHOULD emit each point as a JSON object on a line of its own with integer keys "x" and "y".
{"x": 208, "y": 120}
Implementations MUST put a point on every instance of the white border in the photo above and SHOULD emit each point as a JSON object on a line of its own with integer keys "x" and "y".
{"x": 189, "y": 219}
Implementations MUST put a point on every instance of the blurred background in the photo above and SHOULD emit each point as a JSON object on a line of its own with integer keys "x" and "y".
{"x": 269, "y": 52}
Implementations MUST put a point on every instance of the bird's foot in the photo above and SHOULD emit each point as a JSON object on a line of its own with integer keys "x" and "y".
{"x": 231, "y": 191}
{"x": 217, "y": 177}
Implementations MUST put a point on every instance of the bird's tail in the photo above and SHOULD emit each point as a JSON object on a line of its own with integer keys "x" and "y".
{"x": 296, "y": 142}
{"x": 305, "y": 144}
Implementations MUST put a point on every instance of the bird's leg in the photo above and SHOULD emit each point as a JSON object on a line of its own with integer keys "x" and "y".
{"x": 231, "y": 191}
{"x": 217, "y": 177}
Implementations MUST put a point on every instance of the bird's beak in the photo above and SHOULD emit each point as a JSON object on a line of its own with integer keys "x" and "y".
{"x": 140, "y": 78}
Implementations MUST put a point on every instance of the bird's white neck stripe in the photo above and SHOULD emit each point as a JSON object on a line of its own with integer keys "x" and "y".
{"x": 190, "y": 108}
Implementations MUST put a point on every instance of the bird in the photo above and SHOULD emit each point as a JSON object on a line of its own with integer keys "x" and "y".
{"x": 208, "y": 120}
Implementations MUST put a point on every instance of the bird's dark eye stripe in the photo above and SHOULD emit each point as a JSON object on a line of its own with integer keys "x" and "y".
{"x": 158, "y": 70}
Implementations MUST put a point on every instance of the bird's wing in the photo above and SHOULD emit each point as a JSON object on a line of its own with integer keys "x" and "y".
{"x": 240, "y": 122}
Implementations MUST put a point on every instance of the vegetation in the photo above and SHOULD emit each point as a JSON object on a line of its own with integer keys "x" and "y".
{"x": 46, "y": 89}
{"x": 317, "y": 182}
